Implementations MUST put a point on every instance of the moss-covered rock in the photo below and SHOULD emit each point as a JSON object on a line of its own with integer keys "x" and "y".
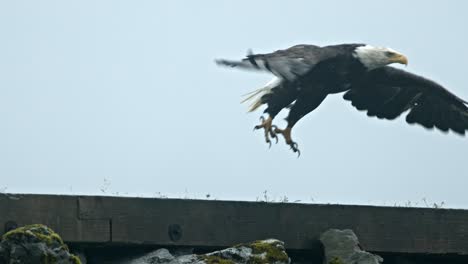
{"x": 216, "y": 260}
{"x": 335, "y": 260}
{"x": 270, "y": 251}
{"x": 34, "y": 244}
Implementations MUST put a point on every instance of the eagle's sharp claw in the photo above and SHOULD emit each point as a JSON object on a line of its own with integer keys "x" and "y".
{"x": 273, "y": 135}
{"x": 295, "y": 148}
{"x": 266, "y": 124}
{"x": 287, "y": 136}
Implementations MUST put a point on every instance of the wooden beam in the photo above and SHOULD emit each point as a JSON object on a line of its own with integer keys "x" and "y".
{"x": 60, "y": 212}
{"x": 204, "y": 223}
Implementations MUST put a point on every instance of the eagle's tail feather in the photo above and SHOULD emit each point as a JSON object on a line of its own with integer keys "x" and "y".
{"x": 256, "y": 95}
{"x": 252, "y": 94}
{"x": 256, "y": 104}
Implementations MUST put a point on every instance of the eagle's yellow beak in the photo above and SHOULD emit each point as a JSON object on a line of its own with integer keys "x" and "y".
{"x": 399, "y": 58}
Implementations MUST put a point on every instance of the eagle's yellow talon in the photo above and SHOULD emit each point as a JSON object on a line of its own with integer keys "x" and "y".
{"x": 267, "y": 126}
{"x": 287, "y": 137}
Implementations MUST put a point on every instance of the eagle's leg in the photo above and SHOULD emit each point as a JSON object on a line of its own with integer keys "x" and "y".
{"x": 307, "y": 101}
{"x": 267, "y": 126}
{"x": 287, "y": 136}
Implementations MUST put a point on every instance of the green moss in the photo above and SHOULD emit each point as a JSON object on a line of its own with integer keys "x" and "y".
{"x": 335, "y": 260}
{"x": 273, "y": 252}
{"x": 265, "y": 252}
{"x": 216, "y": 260}
{"x": 34, "y": 232}
{"x": 257, "y": 260}
{"x": 40, "y": 233}
{"x": 75, "y": 260}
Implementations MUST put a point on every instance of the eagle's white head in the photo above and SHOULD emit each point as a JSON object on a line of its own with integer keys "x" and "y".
{"x": 376, "y": 57}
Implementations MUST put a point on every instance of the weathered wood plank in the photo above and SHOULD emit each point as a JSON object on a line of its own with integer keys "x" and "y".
{"x": 221, "y": 223}
{"x": 57, "y": 211}
{"x": 204, "y": 223}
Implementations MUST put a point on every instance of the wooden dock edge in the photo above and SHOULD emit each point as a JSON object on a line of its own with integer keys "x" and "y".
{"x": 208, "y": 223}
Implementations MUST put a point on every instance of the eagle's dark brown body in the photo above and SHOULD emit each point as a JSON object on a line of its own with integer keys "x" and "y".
{"x": 306, "y": 74}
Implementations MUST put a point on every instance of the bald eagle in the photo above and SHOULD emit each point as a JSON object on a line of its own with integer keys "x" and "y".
{"x": 305, "y": 74}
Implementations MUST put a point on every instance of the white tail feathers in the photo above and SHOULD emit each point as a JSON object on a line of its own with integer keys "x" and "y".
{"x": 252, "y": 94}
{"x": 253, "y": 62}
{"x": 256, "y": 96}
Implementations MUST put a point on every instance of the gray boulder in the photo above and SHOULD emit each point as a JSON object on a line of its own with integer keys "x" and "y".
{"x": 342, "y": 247}
{"x": 270, "y": 251}
{"x": 34, "y": 244}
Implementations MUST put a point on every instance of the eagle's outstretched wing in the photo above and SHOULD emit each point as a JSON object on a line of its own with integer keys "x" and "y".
{"x": 388, "y": 92}
{"x": 285, "y": 64}
{"x": 288, "y": 66}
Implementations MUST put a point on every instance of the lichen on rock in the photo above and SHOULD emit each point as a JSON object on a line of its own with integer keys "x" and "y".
{"x": 216, "y": 260}
{"x": 35, "y": 244}
{"x": 270, "y": 251}
{"x": 267, "y": 251}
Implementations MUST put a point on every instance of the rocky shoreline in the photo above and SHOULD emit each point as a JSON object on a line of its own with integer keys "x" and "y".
{"x": 38, "y": 244}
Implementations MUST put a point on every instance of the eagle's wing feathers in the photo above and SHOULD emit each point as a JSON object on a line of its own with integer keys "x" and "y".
{"x": 388, "y": 92}
{"x": 286, "y": 64}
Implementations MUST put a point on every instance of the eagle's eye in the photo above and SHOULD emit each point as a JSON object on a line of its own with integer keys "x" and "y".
{"x": 389, "y": 53}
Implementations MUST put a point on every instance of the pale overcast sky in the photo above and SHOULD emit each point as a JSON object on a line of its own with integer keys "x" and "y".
{"x": 124, "y": 96}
